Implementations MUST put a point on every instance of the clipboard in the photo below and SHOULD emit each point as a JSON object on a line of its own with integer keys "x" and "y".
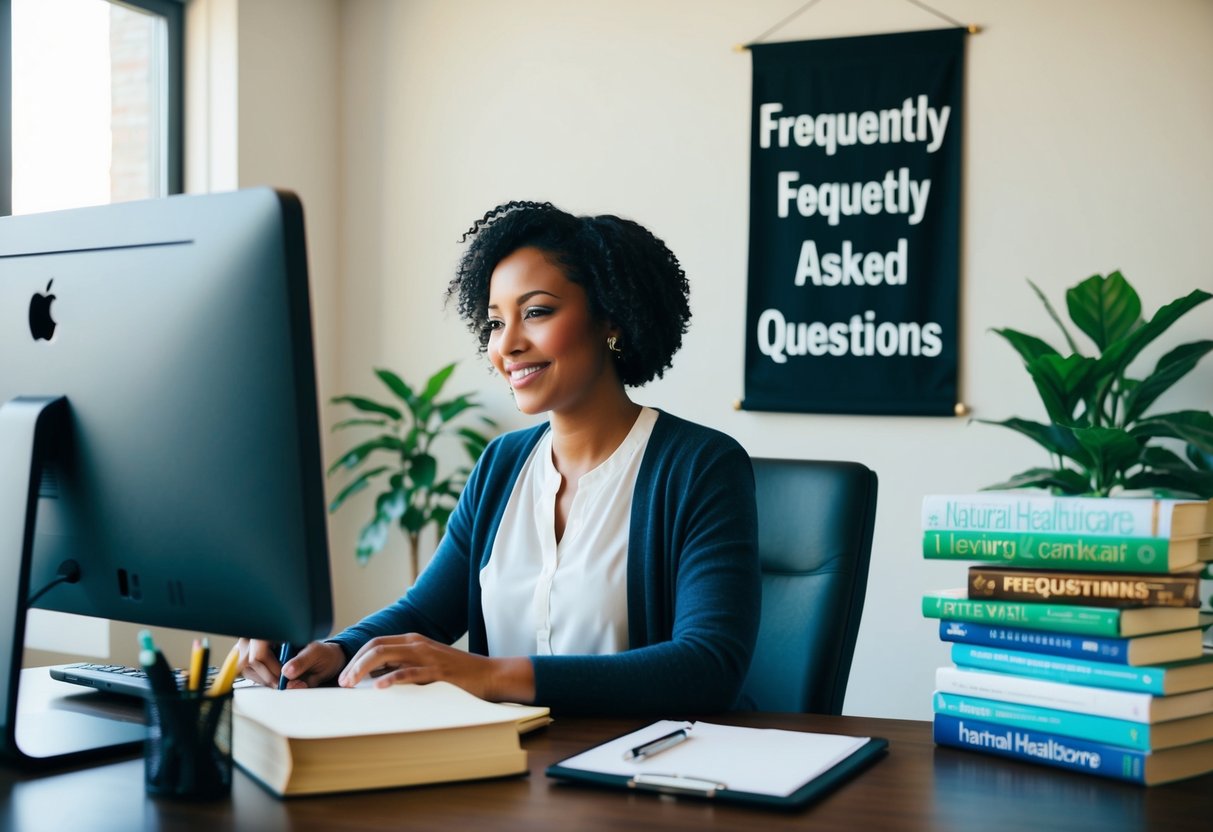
{"x": 754, "y": 766}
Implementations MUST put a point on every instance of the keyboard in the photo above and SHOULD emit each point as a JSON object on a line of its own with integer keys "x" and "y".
{"x": 124, "y": 681}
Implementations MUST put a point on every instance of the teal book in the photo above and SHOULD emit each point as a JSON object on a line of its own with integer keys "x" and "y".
{"x": 1162, "y": 679}
{"x": 954, "y": 604}
{"x": 1125, "y": 733}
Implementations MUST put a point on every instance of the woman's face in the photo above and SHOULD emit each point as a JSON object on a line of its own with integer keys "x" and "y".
{"x": 542, "y": 338}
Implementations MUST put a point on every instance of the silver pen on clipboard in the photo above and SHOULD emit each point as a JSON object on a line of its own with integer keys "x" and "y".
{"x": 656, "y": 746}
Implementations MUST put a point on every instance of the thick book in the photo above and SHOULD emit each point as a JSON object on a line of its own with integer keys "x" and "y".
{"x": 1062, "y": 618}
{"x": 321, "y": 740}
{"x": 1125, "y": 733}
{"x": 1163, "y": 679}
{"x": 1103, "y": 589}
{"x": 1138, "y": 650}
{"x": 1156, "y": 555}
{"x": 1039, "y": 513}
{"x": 1083, "y": 699}
{"x": 1147, "y": 768}
{"x": 763, "y": 767}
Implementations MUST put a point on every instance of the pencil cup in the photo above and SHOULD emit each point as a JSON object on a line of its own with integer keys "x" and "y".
{"x": 188, "y": 753}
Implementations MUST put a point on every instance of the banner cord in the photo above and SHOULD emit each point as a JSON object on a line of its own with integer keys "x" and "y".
{"x": 973, "y": 28}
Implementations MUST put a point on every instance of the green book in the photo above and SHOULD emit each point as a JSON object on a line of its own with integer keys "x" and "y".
{"x": 1052, "y": 550}
{"x": 954, "y": 604}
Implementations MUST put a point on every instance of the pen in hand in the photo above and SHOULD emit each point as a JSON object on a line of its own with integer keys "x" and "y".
{"x": 658, "y": 745}
{"x": 285, "y": 654}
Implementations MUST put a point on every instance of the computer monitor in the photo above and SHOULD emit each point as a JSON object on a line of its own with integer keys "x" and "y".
{"x": 158, "y": 419}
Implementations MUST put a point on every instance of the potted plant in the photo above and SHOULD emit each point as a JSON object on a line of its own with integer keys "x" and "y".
{"x": 413, "y": 494}
{"x": 1100, "y": 435}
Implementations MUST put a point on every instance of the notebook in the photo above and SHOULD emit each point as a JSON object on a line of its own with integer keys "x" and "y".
{"x": 723, "y": 762}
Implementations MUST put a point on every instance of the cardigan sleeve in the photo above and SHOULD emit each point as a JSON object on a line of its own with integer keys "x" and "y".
{"x": 702, "y": 596}
{"x": 435, "y": 606}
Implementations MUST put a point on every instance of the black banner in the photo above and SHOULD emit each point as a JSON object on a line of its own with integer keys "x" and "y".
{"x": 855, "y": 225}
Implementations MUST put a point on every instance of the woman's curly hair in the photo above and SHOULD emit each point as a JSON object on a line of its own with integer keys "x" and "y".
{"x": 631, "y": 278}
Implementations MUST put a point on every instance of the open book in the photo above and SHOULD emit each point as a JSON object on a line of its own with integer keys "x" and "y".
{"x": 321, "y": 740}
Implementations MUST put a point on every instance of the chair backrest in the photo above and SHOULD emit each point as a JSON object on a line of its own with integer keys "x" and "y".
{"x": 815, "y": 521}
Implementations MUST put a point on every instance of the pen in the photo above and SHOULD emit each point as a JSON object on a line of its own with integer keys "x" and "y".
{"x": 652, "y": 747}
{"x": 159, "y": 674}
{"x": 227, "y": 673}
{"x": 285, "y": 654}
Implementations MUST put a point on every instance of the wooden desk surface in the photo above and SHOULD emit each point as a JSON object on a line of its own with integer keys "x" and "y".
{"x": 915, "y": 787}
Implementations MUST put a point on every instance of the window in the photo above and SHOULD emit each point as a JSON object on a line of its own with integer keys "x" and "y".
{"x": 90, "y": 102}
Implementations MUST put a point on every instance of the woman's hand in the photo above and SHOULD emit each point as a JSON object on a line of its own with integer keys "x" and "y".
{"x": 314, "y": 665}
{"x": 413, "y": 658}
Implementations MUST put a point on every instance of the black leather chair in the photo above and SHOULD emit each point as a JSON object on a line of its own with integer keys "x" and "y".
{"x": 815, "y": 521}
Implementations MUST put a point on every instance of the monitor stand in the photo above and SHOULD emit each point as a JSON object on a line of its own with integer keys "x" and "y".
{"x": 37, "y": 732}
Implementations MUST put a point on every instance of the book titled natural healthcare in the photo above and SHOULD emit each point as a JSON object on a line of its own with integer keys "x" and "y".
{"x": 1147, "y": 768}
{"x": 318, "y": 740}
{"x": 1037, "y": 512}
{"x": 1138, "y": 650}
{"x": 1062, "y": 618}
{"x": 1078, "y": 533}
{"x": 1092, "y": 589}
{"x": 1083, "y": 699}
{"x": 1143, "y": 736}
{"x": 1163, "y": 679}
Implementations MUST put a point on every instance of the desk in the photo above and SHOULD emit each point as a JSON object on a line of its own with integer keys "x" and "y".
{"x": 915, "y": 787}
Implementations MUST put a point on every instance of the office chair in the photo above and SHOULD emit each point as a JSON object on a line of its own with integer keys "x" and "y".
{"x": 815, "y": 521}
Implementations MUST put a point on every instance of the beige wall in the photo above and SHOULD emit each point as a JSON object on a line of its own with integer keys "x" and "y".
{"x": 1087, "y": 130}
{"x": 400, "y": 121}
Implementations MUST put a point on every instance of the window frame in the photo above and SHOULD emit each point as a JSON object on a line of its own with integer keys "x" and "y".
{"x": 173, "y": 14}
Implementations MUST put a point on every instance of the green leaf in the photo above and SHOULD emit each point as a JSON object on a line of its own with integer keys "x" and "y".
{"x": 391, "y": 504}
{"x": 1053, "y": 438}
{"x": 1117, "y": 357}
{"x": 1105, "y": 308}
{"x": 372, "y": 538}
{"x": 1056, "y": 318}
{"x": 349, "y": 423}
{"x": 1063, "y": 383}
{"x": 1113, "y": 450}
{"x": 434, "y": 385}
{"x": 354, "y": 487}
{"x": 369, "y": 406}
{"x": 449, "y": 410}
{"x": 1178, "y": 483}
{"x": 1202, "y": 460}
{"x": 1192, "y": 426}
{"x": 357, "y": 454}
{"x": 397, "y": 385}
{"x": 422, "y": 470}
{"x": 1171, "y": 368}
{"x": 412, "y": 520}
{"x": 1059, "y": 480}
{"x": 1029, "y": 347}
{"x": 1160, "y": 458}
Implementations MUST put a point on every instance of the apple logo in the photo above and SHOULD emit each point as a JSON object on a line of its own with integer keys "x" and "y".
{"x": 41, "y": 324}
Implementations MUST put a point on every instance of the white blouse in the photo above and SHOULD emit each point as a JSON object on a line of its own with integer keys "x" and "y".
{"x": 540, "y": 597}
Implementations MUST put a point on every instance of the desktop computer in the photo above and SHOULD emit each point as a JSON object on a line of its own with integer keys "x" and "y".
{"x": 159, "y": 435}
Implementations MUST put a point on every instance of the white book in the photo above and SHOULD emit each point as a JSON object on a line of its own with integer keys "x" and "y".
{"x": 1084, "y": 699}
{"x": 1036, "y": 512}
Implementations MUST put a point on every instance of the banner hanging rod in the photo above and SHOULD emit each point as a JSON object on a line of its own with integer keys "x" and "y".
{"x": 972, "y": 28}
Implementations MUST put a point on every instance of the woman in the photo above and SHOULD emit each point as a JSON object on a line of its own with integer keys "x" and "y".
{"x": 602, "y": 562}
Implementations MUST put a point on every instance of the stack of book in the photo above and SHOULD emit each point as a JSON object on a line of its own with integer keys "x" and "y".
{"x": 1078, "y": 640}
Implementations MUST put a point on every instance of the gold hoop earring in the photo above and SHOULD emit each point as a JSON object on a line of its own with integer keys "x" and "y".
{"x": 613, "y": 344}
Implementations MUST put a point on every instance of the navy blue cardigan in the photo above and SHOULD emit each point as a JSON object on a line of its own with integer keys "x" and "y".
{"x": 692, "y": 579}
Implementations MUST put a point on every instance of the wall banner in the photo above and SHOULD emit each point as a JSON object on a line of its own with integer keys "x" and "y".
{"x": 855, "y": 225}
